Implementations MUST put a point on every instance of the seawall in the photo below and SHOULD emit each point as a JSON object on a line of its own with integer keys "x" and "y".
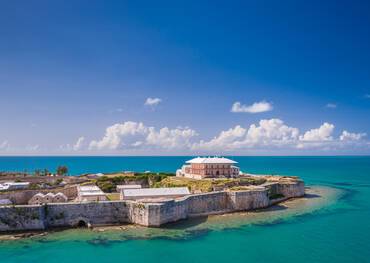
{"x": 41, "y": 217}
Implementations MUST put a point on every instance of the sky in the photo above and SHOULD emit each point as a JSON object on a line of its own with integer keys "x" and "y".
{"x": 184, "y": 77}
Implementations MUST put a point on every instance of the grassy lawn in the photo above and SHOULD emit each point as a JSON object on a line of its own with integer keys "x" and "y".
{"x": 208, "y": 185}
{"x": 113, "y": 196}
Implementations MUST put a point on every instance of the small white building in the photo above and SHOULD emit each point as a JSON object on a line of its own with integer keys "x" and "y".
{"x": 90, "y": 193}
{"x": 14, "y": 186}
{"x": 127, "y": 186}
{"x": 153, "y": 193}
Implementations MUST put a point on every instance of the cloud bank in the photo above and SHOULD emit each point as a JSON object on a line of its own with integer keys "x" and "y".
{"x": 271, "y": 136}
{"x": 267, "y": 134}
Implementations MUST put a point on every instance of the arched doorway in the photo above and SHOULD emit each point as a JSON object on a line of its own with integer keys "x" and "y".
{"x": 81, "y": 224}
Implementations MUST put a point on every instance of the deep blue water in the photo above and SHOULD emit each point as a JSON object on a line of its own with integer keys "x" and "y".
{"x": 340, "y": 233}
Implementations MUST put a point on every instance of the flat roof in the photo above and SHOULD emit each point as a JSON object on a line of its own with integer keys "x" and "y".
{"x": 167, "y": 191}
{"x": 212, "y": 160}
{"x": 5, "y": 202}
{"x": 128, "y": 186}
{"x": 16, "y": 183}
{"x": 95, "y": 193}
{"x": 88, "y": 188}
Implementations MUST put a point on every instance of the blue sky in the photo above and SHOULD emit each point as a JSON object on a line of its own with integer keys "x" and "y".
{"x": 75, "y": 77}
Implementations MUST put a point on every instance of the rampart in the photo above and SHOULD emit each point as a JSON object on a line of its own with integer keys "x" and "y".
{"x": 153, "y": 214}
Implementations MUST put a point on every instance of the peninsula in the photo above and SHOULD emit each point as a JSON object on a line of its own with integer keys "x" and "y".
{"x": 203, "y": 186}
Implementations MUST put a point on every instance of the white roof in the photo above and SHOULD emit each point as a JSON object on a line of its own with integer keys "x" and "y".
{"x": 88, "y": 188}
{"x": 212, "y": 160}
{"x": 129, "y": 186}
{"x": 16, "y": 183}
{"x": 5, "y": 202}
{"x": 94, "y": 193}
{"x": 144, "y": 192}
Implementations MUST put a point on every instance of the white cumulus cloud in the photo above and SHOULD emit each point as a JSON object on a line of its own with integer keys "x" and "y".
{"x": 225, "y": 140}
{"x": 152, "y": 101}
{"x": 256, "y": 107}
{"x": 115, "y": 135}
{"x": 130, "y": 135}
{"x": 275, "y": 134}
{"x": 271, "y": 132}
{"x": 79, "y": 144}
{"x": 323, "y": 133}
{"x": 348, "y": 136}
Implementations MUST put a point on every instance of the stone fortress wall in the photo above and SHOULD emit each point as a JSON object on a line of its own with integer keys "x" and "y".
{"x": 152, "y": 214}
{"x": 22, "y": 197}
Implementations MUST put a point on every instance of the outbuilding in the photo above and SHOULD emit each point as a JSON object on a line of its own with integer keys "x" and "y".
{"x": 90, "y": 193}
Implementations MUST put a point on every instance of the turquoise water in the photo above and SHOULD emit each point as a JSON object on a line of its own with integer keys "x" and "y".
{"x": 337, "y": 232}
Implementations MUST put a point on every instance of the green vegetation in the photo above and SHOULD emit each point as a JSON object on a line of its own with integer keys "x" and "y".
{"x": 34, "y": 186}
{"x": 208, "y": 185}
{"x": 252, "y": 181}
{"x": 192, "y": 184}
{"x": 113, "y": 196}
{"x": 44, "y": 172}
{"x": 58, "y": 181}
{"x": 62, "y": 170}
{"x": 239, "y": 188}
{"x": 108, "y": 184}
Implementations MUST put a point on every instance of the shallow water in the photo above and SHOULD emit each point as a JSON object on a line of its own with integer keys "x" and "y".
{"x": 331, "y": 228}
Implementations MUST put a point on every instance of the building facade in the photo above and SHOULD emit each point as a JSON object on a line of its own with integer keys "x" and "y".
{"x": 41, "y": 198}
{"x": 90, "y": 193}
{"x": 210, "y": 167}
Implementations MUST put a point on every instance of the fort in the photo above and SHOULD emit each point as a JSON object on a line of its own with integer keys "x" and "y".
{"x": 202, "y": 187}
{"x": 152, "y": 213}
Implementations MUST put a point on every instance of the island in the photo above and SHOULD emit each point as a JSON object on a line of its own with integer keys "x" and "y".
{"x": 203, "y": 186}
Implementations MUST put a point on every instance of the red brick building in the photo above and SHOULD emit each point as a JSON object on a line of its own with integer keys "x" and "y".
{"x": 210, "y": 167}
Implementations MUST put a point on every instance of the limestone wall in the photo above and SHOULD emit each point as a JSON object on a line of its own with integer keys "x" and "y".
{"x": 247, "y": 200}
{"x": 31, "y": 217}
{"x": 21, "y": 218}
{"x": 20, "y": 197}
{"x": 99, "y": 213}
{"x": 207, "y": 203}
{"x": 290, "y": 189}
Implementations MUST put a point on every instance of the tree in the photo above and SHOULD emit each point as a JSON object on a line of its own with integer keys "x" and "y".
{"x": 45, "y": 172}
{"x": 62, "y": 170}
{"x": 38, "y": 172}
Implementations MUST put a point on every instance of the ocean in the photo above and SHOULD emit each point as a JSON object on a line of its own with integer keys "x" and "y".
{"x": 335, "y": 229}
